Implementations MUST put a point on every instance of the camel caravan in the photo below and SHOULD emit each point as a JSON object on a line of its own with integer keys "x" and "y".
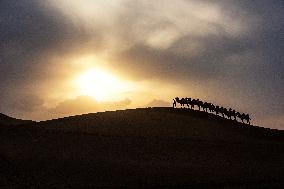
{"x": 211, "y": 108}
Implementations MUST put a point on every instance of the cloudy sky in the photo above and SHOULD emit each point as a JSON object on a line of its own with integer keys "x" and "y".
{"x": 66, "y": 57}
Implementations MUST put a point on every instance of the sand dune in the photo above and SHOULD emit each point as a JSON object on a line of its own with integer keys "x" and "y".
{"x": 6, "y": 120}
{"x": 141, "y": 148}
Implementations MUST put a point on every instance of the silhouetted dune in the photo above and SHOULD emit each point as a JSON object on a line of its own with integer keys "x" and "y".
{"x": 163, "y": 122}
{"x": 141, "y": 148}
{"x": 6, "y": 120}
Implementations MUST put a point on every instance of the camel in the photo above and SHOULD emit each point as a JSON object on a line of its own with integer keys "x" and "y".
{"x": 229, "y": 113}
{"x": 193, "y": 103}
{"x": 206, "y": 106}
{"x": 199, "y": 103}
{"x": 211, "y": 107}
{"x": 217, "y": 110}
{"x": 189, "y": 102}
{"x": 222, "y": 111}
{"x": 234, "y": 114}
{"x": 245, "y": 117}
{"x": 182, "y": 101}
{"x": 239, "y": 115}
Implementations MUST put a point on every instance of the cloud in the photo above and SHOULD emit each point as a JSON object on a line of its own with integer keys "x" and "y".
{"x": 228, "y": 51}
{"x": 190, "y": 58}
{"x": 24, "y": 106}
{"x": 85, "y": 104}
{"x": 158, "y": 103}
{"x": 23, "y": 103}
{"x": 31, "y": 33}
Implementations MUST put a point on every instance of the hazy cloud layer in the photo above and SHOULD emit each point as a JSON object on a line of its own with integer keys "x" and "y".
{"x": 85, "y": 104}
{"x": 232, "y": 51}
{"x": 158, "y": 103}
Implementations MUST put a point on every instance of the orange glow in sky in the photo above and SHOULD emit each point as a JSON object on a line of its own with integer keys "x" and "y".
{"x": 100, "y": 85}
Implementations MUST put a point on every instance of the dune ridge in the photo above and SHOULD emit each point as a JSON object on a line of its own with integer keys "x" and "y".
{"x": 162, "y": 122}
{"x": 141, "y": 148}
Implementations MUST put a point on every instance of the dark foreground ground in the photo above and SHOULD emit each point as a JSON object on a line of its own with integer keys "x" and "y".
{"x": 45, "y": 155}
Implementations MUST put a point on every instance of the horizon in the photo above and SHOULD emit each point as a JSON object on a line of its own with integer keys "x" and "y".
{"x": 177, "y": 108}
{"x": 65, "y": 57}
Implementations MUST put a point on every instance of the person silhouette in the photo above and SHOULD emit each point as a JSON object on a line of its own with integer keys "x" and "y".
{"x": 174, "y": 103}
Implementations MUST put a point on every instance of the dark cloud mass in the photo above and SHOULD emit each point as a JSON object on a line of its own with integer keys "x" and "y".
{"x": 231, "y": 50}
{"x": 30, "y": 33}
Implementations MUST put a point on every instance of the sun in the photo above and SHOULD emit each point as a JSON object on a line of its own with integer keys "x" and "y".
{"x": 101, "y": 85}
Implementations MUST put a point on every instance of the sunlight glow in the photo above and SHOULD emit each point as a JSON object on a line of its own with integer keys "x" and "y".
{"x": 101, "y": 85}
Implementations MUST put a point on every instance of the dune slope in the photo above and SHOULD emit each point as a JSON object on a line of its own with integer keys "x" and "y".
{"x": 152, "y": 147}
{"x": 6, "y": 120}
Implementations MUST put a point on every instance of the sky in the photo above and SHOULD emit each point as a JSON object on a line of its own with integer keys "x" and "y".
{"x": 67, "y": 57}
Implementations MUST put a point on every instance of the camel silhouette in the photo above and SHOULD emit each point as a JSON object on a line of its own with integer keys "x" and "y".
{"x": 189, "y": 102}
{"x": 193, "y": 103}
{"x": 245, "y": 117}
{"x": 211, "y": 107}
{"x": 228, "y": 113}
{"x": 182, "y": 101}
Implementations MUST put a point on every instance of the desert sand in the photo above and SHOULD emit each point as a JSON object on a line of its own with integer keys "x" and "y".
{"x": 140, "y": 148}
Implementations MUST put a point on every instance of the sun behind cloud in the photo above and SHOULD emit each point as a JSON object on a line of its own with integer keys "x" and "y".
{"x": 101, "y": 85}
